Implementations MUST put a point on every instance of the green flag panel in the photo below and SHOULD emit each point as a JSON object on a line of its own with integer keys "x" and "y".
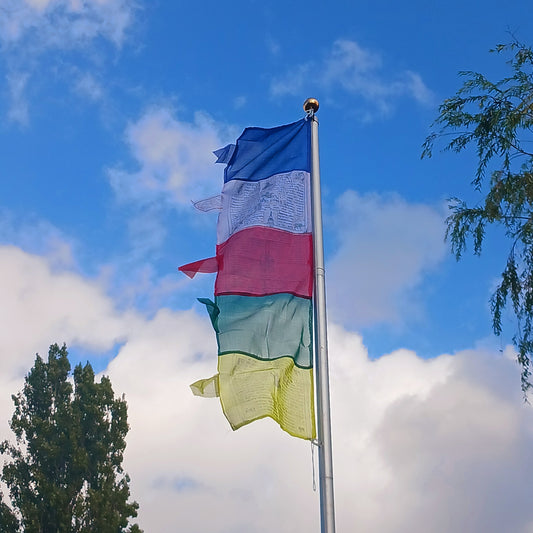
{"x": 265, "y": 327}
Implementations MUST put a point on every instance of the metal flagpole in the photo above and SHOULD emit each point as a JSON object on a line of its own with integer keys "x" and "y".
{"x": 325, "y": 461}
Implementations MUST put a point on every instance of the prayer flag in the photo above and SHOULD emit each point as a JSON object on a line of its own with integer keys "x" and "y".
{"x": 262, "y": 311}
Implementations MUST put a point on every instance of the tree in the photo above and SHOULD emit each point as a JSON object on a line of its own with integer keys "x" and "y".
{"x": 497, "y": 119}
{"x": 65, "y": 473}
{"x": 8, "y": 520}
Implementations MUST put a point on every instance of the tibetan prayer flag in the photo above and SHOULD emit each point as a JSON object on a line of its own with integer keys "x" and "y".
{"x": 262, "y": 310}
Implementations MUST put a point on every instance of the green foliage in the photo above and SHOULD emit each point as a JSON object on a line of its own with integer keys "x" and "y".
{"x": 8, "y": 520}
{"x": 497, "y": 119}
{"x": 65, "y": 473}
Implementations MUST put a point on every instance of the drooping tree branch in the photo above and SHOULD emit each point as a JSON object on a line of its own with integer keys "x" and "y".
{"x": 496, "y": 119}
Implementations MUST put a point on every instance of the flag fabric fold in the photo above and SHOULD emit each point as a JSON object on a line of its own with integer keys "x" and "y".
{"x": 262, "y": 311}
{"x": 209, "y": 204}
{"x": 224, "y": 154}
{"x": 206, "y": 266}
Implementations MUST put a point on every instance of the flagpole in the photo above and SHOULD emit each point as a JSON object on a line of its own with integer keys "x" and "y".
{"x": 325, "y": 459}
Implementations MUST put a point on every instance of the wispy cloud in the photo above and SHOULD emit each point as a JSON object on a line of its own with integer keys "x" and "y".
{"x": 63, "y": 23}
{"x": 172, "y": 164}
{"x": 87, "y": 86}
{"x": 173, "y": 159}
{"x": 239, "y": 102}
{"x": 18, "y": 105}
{"x": 273, "y": 45}
{"x": 31, "y": 30}
{"x": 356, "y": 71}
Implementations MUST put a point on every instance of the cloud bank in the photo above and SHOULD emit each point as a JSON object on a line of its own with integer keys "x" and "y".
{"x": 439, "y": 445}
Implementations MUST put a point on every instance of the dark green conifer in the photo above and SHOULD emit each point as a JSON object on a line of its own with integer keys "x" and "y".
{"x": 65, "y": 471}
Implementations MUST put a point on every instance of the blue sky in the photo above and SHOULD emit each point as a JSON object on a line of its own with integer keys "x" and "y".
{"x": 111, "y": 110}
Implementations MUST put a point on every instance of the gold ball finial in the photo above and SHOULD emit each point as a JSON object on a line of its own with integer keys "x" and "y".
{"x": 311, "y": 104}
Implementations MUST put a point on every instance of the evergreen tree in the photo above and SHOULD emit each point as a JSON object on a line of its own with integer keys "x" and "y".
{"x": 8, "y": 521}
{"x": 65, "y": 474}
{"x": 496, "y": 118}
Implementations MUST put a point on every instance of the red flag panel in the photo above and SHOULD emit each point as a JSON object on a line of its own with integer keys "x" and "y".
{"x": 258, "y": 261}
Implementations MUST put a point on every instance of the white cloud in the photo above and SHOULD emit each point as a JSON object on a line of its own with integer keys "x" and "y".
{"x": 30, "y": 28}
{"x": 173, "y": 165}
{"x": 174, "y": 158}
{"x": 444, "y": 444}
{"x": 18, "y": 106}
{"x": 42, "y": 305}
{"x": 349, "y": 63}
{"x": 414, "y": 85}
{"x": 64, "y": 23}
{"x": 37, "y": 236}
{"x": 273, "y": 45}
{"x": 88, "y": 86}
{"x": 385, "y": 247}
{"x": 239, "y": 102}
{"x": 358, "y": 72}
{"x": 292, "y": 83}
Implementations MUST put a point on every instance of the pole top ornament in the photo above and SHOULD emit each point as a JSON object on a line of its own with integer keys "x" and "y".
{"x": 311, "y": 106}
